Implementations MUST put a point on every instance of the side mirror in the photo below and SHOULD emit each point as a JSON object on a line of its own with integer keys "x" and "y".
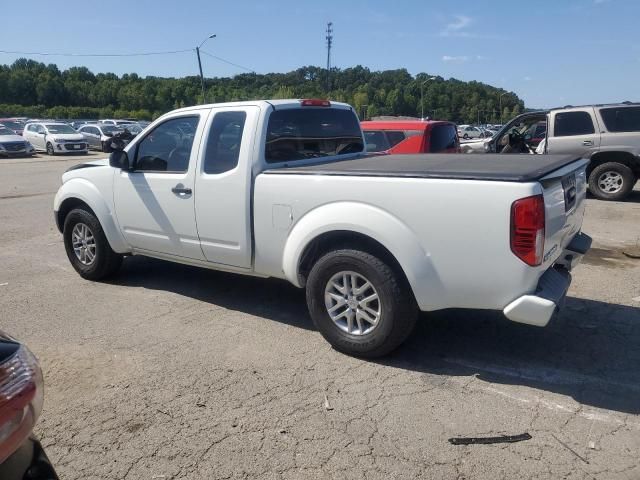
{"x": 119, "y": 159}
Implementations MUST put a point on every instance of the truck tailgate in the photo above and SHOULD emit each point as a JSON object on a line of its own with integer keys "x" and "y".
{"x": 564, "y": 193}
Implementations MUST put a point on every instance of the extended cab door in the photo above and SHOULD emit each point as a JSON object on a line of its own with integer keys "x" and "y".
{"x": 154, "y": 203}
{"x": 223, "y": 185}
{"x": 573, "y": 132}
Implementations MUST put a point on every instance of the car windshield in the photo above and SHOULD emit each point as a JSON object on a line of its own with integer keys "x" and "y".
{"x": 6, "y": 131}
{"x": 110, "y": 129}
{"x": 12, "y": 125}
{"x": 60, "y": 128}
{"x": 133, "y": 128}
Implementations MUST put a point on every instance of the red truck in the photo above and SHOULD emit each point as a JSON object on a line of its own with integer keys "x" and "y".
{"x": 411, "y": 136}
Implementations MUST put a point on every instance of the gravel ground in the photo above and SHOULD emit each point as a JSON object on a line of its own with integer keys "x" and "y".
{"x": 170, "y": 371}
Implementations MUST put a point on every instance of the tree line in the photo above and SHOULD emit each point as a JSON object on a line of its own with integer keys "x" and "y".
{"x": 34, "y": 89}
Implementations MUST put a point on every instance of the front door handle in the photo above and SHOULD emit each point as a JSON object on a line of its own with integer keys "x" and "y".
{"x": 180, "y": 190}
{"x": 588, "y": 143}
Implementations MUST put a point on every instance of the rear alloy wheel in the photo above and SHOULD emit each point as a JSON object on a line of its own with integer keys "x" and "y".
{"x": 359, "y": 304}
{"x": 50, "y": 150}
{"x": 611, "y": 181}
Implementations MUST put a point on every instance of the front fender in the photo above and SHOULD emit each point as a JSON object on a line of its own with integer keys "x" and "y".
{"x": 84, "y": 190}
{"x": 377, "y": 224}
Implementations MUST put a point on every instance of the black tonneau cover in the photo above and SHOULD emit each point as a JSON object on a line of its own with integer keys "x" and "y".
{"x": 465, "y": 166}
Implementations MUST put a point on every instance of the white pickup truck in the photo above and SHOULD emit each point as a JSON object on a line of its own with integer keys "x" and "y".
{"x": 282, "y": 189}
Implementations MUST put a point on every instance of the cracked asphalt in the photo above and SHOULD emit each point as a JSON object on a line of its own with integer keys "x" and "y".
{"x": 174, "y": 372}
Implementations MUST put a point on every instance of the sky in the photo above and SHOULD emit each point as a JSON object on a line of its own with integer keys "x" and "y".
{"x": 549, "y": 52}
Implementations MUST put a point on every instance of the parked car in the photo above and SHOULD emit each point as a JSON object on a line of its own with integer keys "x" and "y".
{"x": 133, "y": 128}
{"x": 12, "y": 124}
{"x": 21, "y": 397}
{"x": 284, "y": 189}
{"x": 469, "y": 131}
{"x": 109, "y": 121}
{"x": 55, "y": 138}
{"x": 410, "y": 136}
{"x": 98, "y": 135}
{"x": 12, "y": 144}
{"x": 608, "y": 135}
{"x": 79, "y": 123}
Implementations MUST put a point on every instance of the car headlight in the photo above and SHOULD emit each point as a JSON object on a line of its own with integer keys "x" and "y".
{"x": 2, "y": 149}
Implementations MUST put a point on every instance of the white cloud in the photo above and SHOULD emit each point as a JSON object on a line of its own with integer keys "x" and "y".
{"x": 463, "y": 58}
{"x": 527, "y": 79}
{"x": 457, "y": 27}
{"x": 455, "y": 59}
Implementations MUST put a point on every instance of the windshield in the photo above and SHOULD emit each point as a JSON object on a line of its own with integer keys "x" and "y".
{"x": 12, "y": 125}
{"x": 6, "y": 131}
{"x": 110, "y": 129}
{"x": 133, "y": 128}
{"x": 302, "y": 133}
{"x": 60, "y": 128}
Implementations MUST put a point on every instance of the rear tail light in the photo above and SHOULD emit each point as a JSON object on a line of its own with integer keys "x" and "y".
{"x": 21, "y": 398}
{"x": 315, "y": 102}
{"x": 527, "y": 229}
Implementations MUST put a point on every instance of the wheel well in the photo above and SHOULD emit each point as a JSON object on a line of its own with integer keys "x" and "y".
{"x": 340, "y": 239}
{"x": 624, "y": 158}
{"x": 66, "y": 206}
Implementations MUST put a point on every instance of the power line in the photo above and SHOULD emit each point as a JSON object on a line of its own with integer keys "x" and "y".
{"x": 227, "y": 61}
{"x": 141, "y": 54}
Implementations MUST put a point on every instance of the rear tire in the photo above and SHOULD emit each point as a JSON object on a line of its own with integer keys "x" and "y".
{"x": 50, "y": 150}
{"x": 394, "y": 307}
{"x": 611, "y": 181}
{"x": 87, "y": 247}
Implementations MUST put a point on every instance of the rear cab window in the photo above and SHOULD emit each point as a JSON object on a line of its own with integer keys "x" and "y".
{"x": 296, "y": 134}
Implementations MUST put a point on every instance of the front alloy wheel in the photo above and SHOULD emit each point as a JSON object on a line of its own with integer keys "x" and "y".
{"x": 84, "y": 243}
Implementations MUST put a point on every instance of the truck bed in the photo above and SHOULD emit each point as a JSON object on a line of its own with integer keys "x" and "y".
{"x": 492, "y": 167}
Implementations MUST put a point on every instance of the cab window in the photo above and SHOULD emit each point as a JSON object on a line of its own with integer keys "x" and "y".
{"x": 223, "y": 143}
{"x": 167, "y": 148}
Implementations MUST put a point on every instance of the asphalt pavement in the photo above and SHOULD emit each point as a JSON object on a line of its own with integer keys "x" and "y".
{"x": 174, "y": 372}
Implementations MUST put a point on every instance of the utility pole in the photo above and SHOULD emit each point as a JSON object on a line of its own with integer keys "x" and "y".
{"x": 501, "y": 95}
{"x": 201, "y": 75}
{"x": 422, "y": 96}
{"x": 204, "y": 100}
{"x": 329, "y": 38}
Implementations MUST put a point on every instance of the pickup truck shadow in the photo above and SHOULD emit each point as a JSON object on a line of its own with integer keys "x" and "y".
{"x": 272, "y": 299}
{"x": 590, "y": 352}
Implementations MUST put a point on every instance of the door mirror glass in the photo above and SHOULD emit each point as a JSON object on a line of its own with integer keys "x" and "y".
{"x": 119, "y": 159}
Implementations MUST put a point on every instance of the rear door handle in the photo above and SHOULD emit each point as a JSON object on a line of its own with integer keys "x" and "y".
{"x": 179, "y": 190}
{"x": 588, "y": 143}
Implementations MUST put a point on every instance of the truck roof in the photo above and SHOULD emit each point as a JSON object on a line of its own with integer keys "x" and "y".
{"x": 283, "y": 103}
{"x": 493, "y": 167}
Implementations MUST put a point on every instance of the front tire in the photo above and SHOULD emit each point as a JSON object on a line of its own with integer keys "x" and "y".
{"x": 466, "y": 136}
{"x": 50, "y": 150}
{"x": 87, "y": 247}
{"x": 359, "y": 304}
{"x": 611, "y": 181}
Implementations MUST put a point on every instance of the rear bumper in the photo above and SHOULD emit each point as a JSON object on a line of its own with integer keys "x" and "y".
{"x": 538, "y": 308}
